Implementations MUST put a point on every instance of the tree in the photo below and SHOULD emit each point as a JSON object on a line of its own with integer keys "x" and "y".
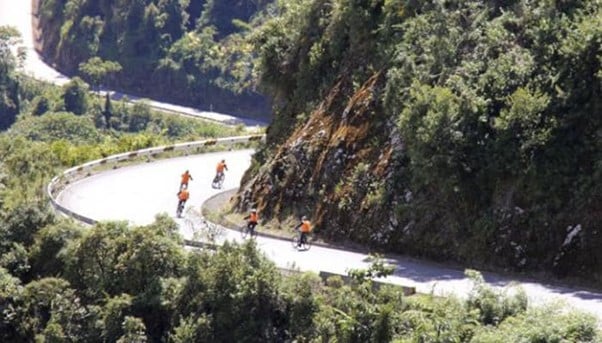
{"x": 60, "y": 125}
{"x": 21, "y": 224}
{"x": 235, "y": 280}
{"x": 49, "y": 242}
{"x": 140, "y": 115}
{"x": 134, "y": 331}
{"x": 9, "y": 86}
{"x": 10, "y": 287}
{"x": 41, "y": 105}
{"x": 49, "y": 308}
{"x": 96, "y": 70}
{"x": 113, "y": 316}
{"x": 75, "y": 96}
{"x": 107, "y": 112}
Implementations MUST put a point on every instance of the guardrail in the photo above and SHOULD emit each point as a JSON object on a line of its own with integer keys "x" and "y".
{"x": 76, "y": 171}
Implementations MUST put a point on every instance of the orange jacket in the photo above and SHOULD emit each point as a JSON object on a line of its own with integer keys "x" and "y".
{"x": 186, "y": 177}
{"x": 220, "y": 167}
{"x": 253, "y": 217}
{"x": 183, "y": 195}
{"x": 305, "y": 226}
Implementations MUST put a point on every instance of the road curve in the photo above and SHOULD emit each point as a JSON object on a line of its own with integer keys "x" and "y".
{"x": 137, "y": 193}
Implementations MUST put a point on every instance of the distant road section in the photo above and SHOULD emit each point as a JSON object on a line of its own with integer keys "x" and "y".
{"x": 18, "y": 13}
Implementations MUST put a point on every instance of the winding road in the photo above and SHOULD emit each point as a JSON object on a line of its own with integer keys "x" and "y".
{"x": 137, "y": 193}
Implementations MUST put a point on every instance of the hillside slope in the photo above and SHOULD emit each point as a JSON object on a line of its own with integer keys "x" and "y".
{"x": 190, "y": 53}
{"x": 457, "y": 130}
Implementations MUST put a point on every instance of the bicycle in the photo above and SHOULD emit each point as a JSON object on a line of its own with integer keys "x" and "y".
{"x": 180, "y": 209}
{"x": 246, "y": 231}
{"x": 218, "y": 181}
{"x": 305, "y": 245}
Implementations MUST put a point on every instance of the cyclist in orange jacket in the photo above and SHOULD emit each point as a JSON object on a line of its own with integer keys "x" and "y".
{"x": 304, "y": 228}
{"x": 252, "y": 220}
{"x": 221, "y": 166}
{"x": 183, "y": 196}
{"x": 185, "y": 178}
{"x": 219, "y": 173}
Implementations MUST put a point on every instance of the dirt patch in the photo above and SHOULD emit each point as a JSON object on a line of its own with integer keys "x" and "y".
{"x": 217, "y": 203}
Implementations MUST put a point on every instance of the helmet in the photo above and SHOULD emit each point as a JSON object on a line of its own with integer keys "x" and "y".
{"x": 253, "y": 210}
{"x": 304, "y": 218}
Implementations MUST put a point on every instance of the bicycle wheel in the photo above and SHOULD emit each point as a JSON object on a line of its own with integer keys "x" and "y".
{"x": 244, "y": 231}
{"x": 307, "y": 244}
{"x": 295, "y": 241}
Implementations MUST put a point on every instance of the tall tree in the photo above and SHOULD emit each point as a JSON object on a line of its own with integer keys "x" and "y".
{"x": 9, "y": 86}
{"x": 75, "y": 96}
{"x": 97, "y": 70}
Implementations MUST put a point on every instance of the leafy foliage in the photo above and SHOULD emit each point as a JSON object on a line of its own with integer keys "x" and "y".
{"x": 75, "y": 96}
{"x": 193, "y": 52}
{"x": 486, "y": 125}
{"x": 9, "y": 88}
{"x": 58, "y": 126}
{"x": 97, "y": 70}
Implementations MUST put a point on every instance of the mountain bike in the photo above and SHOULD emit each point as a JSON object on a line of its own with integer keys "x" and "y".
{"x": 306, "y": 245}
{"x": 245, "y": 231}
{"x": 218, "y": 181}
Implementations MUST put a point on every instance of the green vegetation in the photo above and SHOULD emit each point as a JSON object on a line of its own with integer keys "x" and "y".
{"x": 59, "y": 281}
{"x": 97, "y": 70}
{"x": 490, "y": 108}
{"x": 52, "y": 128}
{"x": 9, "y": 84}
{"x": 190, "y": 52}
{"x": 478, "y": 123}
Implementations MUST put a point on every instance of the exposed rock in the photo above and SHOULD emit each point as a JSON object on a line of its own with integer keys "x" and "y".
{"x": 333, "y": 168}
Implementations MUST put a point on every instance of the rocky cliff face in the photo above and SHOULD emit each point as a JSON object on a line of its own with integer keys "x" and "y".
{"x": 336, "y": 168}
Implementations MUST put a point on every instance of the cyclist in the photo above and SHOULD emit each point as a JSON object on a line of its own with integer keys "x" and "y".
{"x": 304, "y": 228}
{"x": 221, "y": 166}
{"x": 183, "y": 196}
{"x": 185, "y": 178}
{"x": 252, "y": 220}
